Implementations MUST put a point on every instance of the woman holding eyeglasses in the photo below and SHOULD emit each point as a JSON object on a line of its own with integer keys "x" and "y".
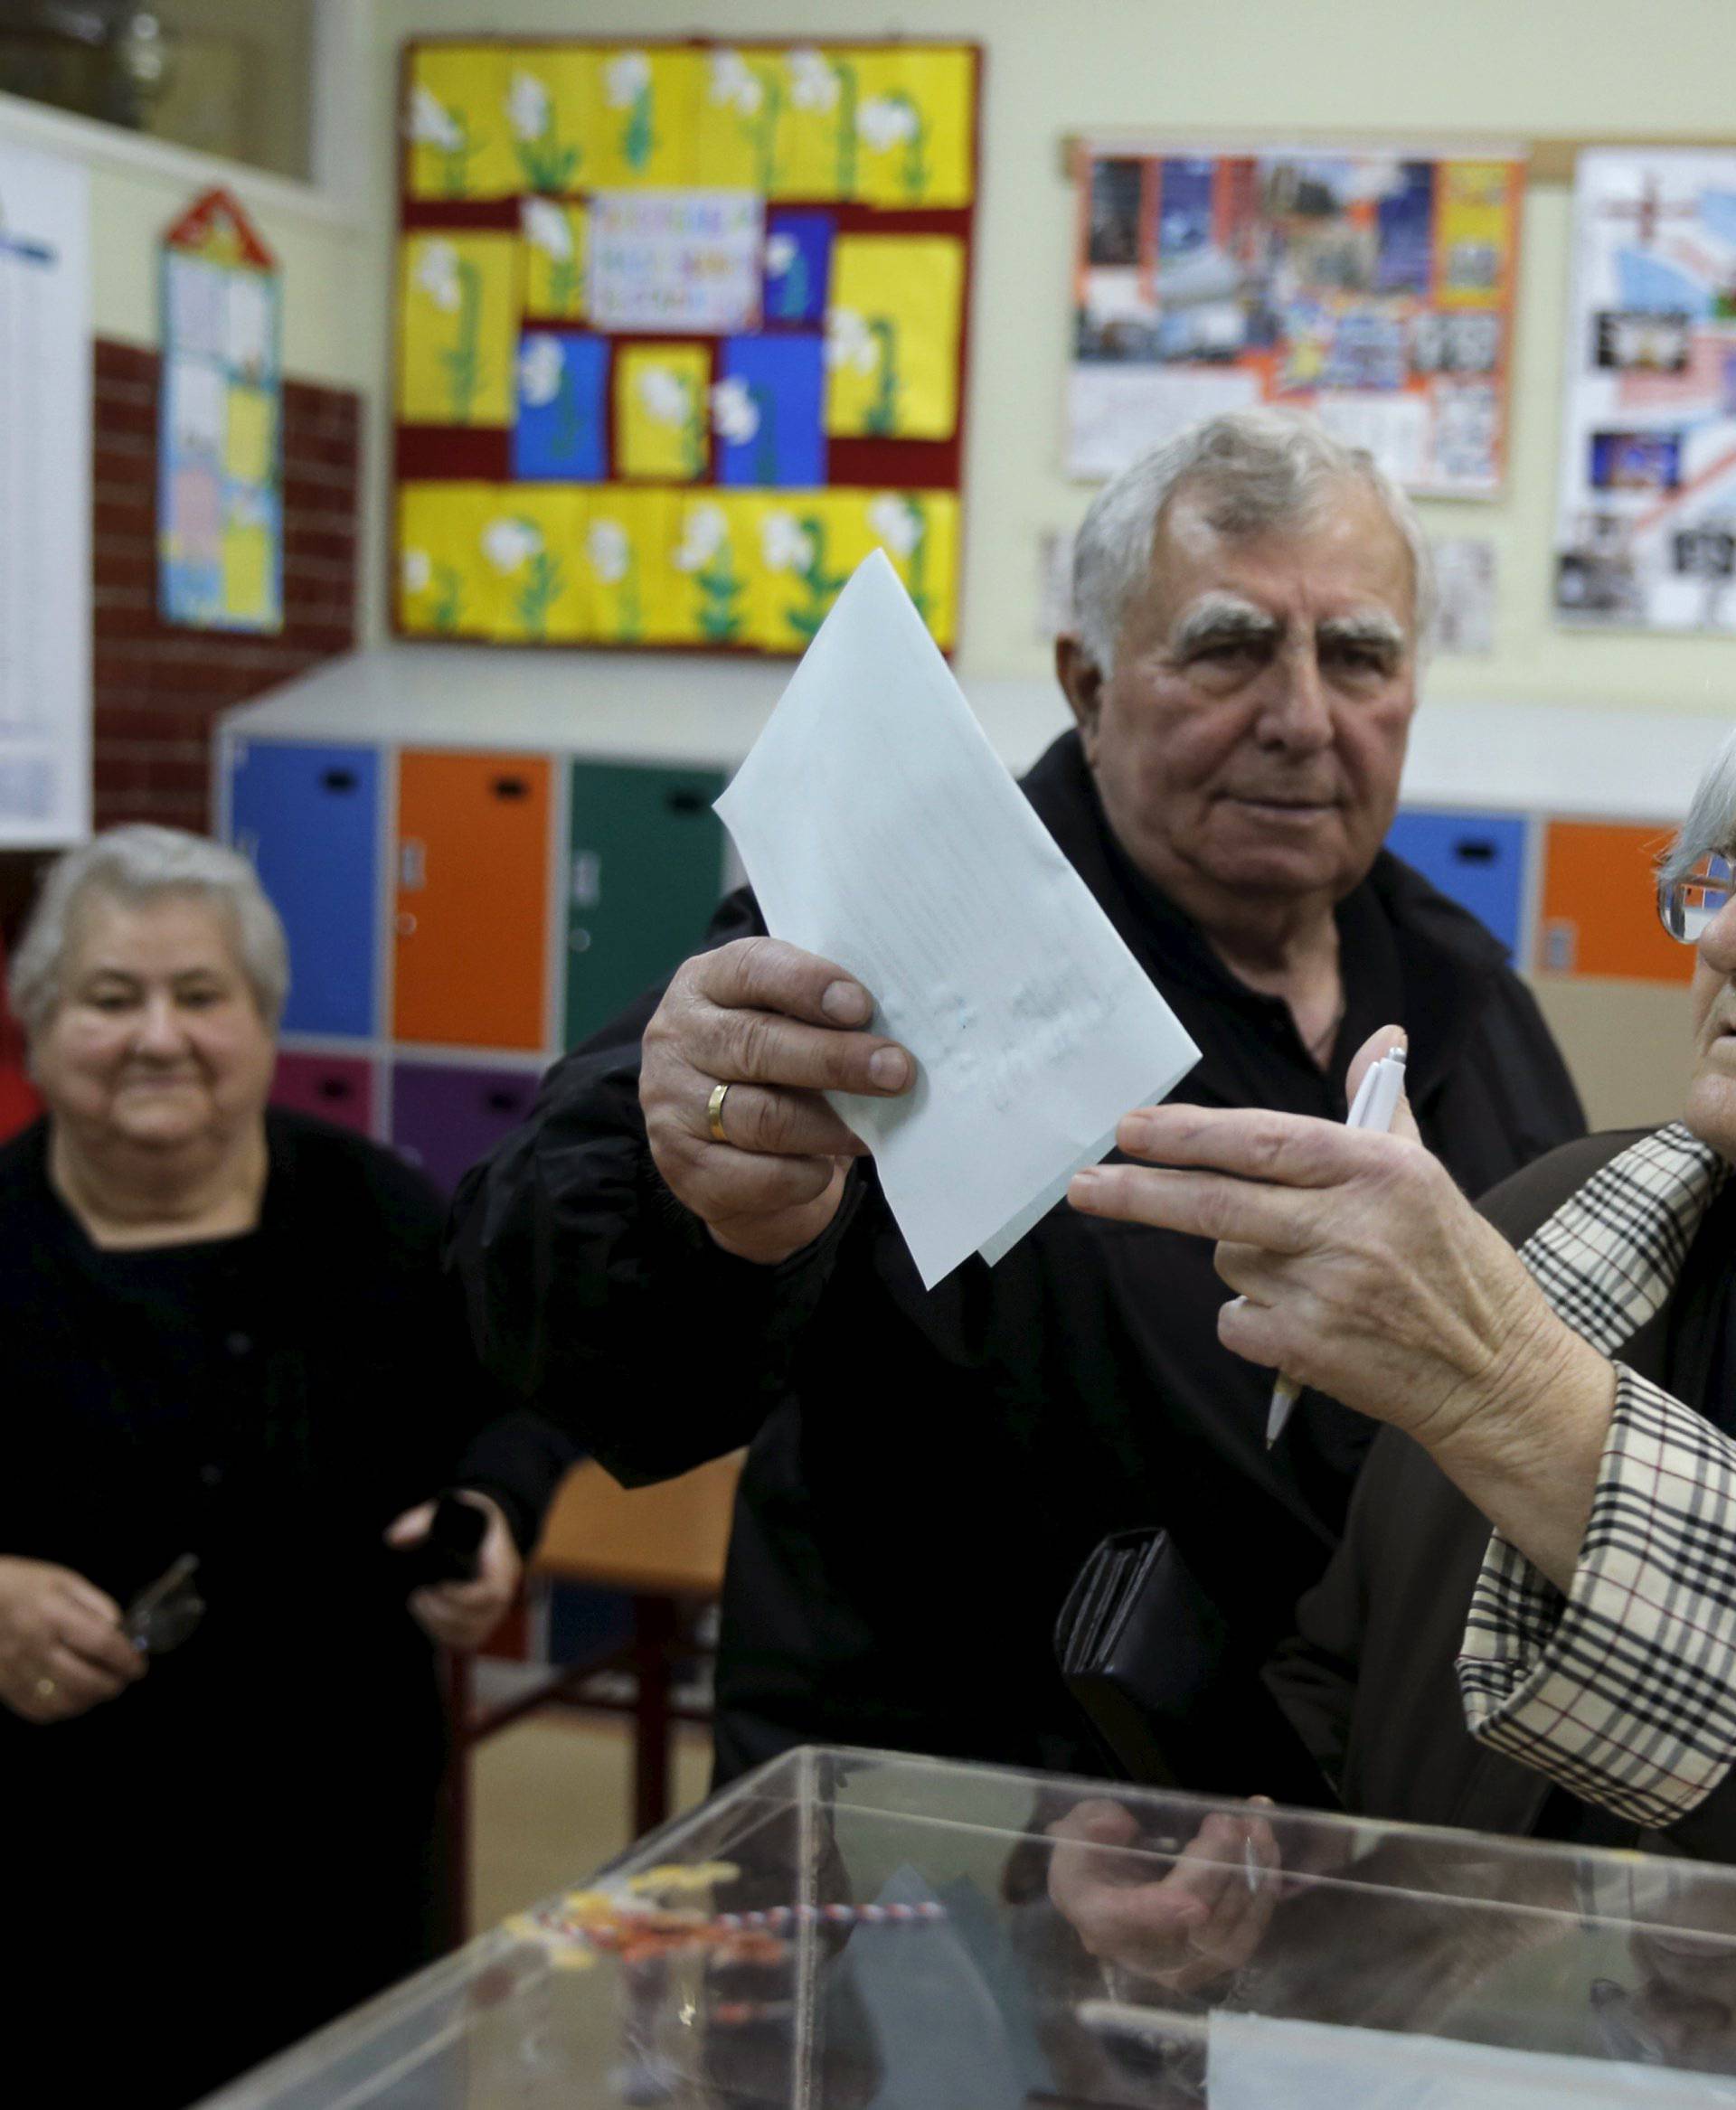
{"x": 1531, "y": 1625}
{"x": 234, "y": 1380}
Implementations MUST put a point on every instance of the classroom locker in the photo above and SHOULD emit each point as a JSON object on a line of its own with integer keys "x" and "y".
{"x": 1477, "y": 860}
{"x": 308, "y": 816}
{"x": 1599, "y": 904}
{"x": 471, "y": 900}
{"x": 644, "y": 869}
{"x": 339, "y": 1088}
{"x": 446, "y": 1116}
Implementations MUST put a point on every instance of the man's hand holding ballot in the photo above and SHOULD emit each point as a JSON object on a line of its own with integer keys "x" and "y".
{"x": 1363, "y": 1271}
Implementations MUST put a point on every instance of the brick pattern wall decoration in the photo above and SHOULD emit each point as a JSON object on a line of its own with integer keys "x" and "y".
{"x": 156, "y": 687}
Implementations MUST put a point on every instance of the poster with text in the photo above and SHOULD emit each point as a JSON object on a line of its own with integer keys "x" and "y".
{"x": 1646, "y": 532}
{"x": 1372, "y": 289}
{"x": 681, "y": 336}
{"x": 44, "y": 500}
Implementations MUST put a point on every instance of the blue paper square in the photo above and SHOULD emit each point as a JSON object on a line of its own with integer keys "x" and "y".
{"x": 767, "y": 409}
{"x": 561, "y": 432}
{"x": 799, "y": 265}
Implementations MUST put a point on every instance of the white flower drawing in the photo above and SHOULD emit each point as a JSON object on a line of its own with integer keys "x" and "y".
{"x": 431, "y": 124}
{"x": 813, "y": 85}
{"x": 735, "y": 83}
{"x": 548, "y": 229}
{"x": 735, "y": 413}
{"x": 626, "y": 78}
{"x": 665, "y": 396}
{"x": 782, "y": 543}
{"x": 437, "y": 273}
{"x": 704, "y": 532}
{"x": 529, "y": 109}
{"x": 540, "y": 364}
{"x": 508, "y": 543}
{"x": 885, "y": 121}
{"x": 849, "y": 342}
{"x": 781, "y": 252}
{"x": 896, "y": 522}
{"x": 608, "y": 550}
{"x": 417, "y": 571}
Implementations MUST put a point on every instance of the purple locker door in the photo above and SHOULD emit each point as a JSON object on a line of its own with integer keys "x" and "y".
{"x": 445, "y": 1116}
{"x": 339, "y": 1088}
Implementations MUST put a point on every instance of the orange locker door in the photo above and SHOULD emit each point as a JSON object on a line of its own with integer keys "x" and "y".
{"x": 472, "y": 900}
{"x": 1599, "y": 907}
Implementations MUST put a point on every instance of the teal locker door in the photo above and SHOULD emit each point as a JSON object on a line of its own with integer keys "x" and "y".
{"x": 645, "y": 867}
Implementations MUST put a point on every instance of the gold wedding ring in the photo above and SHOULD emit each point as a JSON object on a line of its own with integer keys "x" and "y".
{"x": 715, "y": 1112}
{"x": 46, "y": 1687}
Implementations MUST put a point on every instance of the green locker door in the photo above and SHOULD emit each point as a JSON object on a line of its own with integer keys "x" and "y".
{"x": 644, "y": 868}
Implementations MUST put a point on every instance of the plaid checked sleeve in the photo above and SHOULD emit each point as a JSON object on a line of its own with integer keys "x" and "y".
{"x": 1623, "y": 1690}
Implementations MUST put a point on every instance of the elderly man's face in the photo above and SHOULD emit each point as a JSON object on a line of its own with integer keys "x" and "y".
{"x": 1250, "y": 740}
{"x": 1711, "y": 1110}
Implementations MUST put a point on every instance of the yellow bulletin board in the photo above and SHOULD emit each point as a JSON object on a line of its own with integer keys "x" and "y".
{"x": 682, "y": 336}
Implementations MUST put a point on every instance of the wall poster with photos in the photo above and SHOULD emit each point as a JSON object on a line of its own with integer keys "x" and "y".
{"x": 1373, "y": 288}
{"x": 1645, "y": 533}
{"x": 681, "y": 336}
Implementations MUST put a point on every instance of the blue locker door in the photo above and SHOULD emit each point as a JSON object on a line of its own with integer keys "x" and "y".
{"x": 1479, "y": 860}
{"x": 309, "y": 818}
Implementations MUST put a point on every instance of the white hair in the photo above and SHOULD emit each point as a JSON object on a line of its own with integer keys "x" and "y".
{"x": 1710, "y": 822}
{"x": 1257, "y": 469}
{"x": 141, "y": 863}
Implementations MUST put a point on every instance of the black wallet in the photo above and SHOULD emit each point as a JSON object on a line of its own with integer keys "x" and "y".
{"x": 1149, "y": 1657}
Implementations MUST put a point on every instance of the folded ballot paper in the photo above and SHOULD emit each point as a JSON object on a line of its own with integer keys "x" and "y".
{"x": 880, "y": 830}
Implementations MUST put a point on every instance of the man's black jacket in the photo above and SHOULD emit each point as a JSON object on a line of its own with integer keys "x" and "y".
{"x": 929, "y": 1469}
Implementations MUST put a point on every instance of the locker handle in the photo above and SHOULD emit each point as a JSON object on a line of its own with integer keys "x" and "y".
{"x": 412, "y": 863}
{"x": 510, "y": 787}
{"x": 338, "y": 781}
{"x": 685, "y": 802}
{"x": 1474, "y": 850}
{"x": 406, "y": 924}
{"x": 502, "y": 1100}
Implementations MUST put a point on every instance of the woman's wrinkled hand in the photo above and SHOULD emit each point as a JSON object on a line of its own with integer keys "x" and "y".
{"x": 463, "y": 1615}
{"x": 61, "y": 1650}
{"x": 1198, "y": 1922}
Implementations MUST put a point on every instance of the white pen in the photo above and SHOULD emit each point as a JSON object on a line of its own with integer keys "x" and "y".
{"x": 1374, "y": 1107}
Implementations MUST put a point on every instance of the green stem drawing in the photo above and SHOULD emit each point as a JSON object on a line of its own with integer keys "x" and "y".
{"x": 454, "y": 161}
{"x": 569, "y": 418}
{"x": 695, "y": 437}
{"x": 639, "y": 138}
{"x": 539, "y": 594}
{"x": 882, "y": 411}
{"x": 448, "y": 599}
{"x": 823, "y": 587}
{"x": 916, "y": 565}
{"x": 461, "y": 361}
{"x": 720, "y": 591}
{"x": 916, "y": 164}
{"x": 548, "y": 166}
{"x": 765, "y": 453}
{"x": 762, "y": 132}
{"x": 564, "y": 283}
{"x": 792, "y": 288}
{"x": 846, "y": 134}
{"x": 632, "y": 623}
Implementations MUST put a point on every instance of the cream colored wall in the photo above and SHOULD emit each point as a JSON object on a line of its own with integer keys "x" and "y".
{"x": 328, "y": 252}
{"x": 1380, "y": 68}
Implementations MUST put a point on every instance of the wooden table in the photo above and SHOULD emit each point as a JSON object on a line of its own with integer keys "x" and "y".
{"x": 664, "y": 1546}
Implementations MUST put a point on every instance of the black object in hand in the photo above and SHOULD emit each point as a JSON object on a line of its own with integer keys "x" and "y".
{"x": 451, "y": 1552}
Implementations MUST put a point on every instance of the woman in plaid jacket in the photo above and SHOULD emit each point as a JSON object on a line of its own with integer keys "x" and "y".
{"x": 1531, "y": 1625}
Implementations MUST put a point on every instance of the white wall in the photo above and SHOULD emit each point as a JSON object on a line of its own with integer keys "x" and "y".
{"x": 1517, "y": 68}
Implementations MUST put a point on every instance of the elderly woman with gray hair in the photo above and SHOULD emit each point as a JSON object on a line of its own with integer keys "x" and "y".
{"x": 227, "y": 1343}
{"x": 1530, "y": 1625}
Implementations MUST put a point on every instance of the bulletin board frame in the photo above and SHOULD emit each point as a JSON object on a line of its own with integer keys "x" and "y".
{"x": 710, "y": 562}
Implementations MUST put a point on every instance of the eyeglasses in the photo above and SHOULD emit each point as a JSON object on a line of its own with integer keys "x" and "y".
{"x": 165, "y": 1611}
{"x": 1687, "y": 906}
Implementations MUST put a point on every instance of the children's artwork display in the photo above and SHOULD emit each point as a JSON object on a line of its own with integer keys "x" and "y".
{"x": 1646, "y": 534}
{"x": 681, "y": 336}
{"x": 44, "y": 500}
{"x": 219, "y": 499}
{"x": 1373, "y": 288}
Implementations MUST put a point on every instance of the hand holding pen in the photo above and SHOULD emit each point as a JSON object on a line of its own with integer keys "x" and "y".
{"x": 1377, "y": 1100}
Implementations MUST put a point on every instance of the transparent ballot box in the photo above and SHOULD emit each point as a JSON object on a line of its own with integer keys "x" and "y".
{"x": 848, "y": 1930}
